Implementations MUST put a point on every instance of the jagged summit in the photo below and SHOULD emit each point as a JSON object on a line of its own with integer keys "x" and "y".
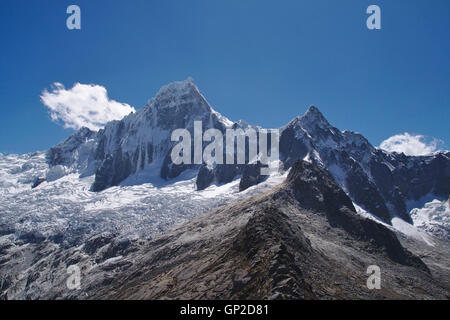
{"x": 176, "y": 91}
{"x": 178, "y": 87}
{"x": 311, "y": 122}
{"x": 178, "y": 96}
{"x": 313, "y": 111}
{"x": 313, "y": 117}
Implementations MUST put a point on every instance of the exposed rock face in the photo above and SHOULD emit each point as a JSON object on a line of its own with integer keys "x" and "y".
{"x": 37, "y": 181}
{"x": 219, "y": 174}
{"x": 302, "y": 240}
{"x": 251, "y": 176}
{"x": 316, "y": 190}
{"x": 205, "y": 177}
{"x": 378, "y": 181}
{"x": 66, "y": 152}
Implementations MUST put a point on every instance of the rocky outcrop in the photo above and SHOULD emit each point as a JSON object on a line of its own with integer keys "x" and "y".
{"x": 251, "y": 176}
{"x": 66, "y": 152}
{"x": 219, "y": 174}
{"x": 316, "y": 190}
{"x": 37, "y": 181}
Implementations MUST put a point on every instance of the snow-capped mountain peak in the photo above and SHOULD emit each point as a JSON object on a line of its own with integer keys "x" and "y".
{"x": 179, "y": 94}
{"x": 137, "y": 148}
{"x": 313, "y": 117}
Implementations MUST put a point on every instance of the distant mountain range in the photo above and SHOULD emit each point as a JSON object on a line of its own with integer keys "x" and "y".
{"x": 381, "y": 183}
{"x": 139, "y": 226}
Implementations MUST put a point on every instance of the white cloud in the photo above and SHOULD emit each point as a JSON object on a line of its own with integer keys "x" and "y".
{"x": 85, "y": 105}
{"x": 411, "y": 145}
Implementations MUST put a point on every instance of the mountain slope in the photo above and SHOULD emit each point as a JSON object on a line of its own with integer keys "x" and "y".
{"x": 301, "y": 240}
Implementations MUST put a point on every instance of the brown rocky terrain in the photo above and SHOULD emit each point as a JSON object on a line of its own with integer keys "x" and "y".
{"x": 301, "y": 240}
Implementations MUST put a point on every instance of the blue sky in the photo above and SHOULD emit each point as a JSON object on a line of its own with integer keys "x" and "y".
{"x": 262, "y": 61}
